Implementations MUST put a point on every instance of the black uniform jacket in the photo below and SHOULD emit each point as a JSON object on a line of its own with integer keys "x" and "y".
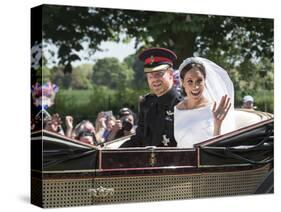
{"x": 156, "y": 121}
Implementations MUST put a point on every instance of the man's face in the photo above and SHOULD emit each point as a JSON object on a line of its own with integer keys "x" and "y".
{"x": 160, "y": 82}
{"x": 248, "y": 105}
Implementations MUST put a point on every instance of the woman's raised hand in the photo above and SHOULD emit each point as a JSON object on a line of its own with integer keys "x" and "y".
{"x": 221, "y": 111}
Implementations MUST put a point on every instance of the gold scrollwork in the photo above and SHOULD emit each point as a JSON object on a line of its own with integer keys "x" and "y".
{"x": 152, "y": 159}
{"x": 101, "y": 191}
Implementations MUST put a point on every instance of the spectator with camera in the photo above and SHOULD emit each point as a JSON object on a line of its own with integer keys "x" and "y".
{"x": 124, "y": 126}
{"x": 127, "y": 113}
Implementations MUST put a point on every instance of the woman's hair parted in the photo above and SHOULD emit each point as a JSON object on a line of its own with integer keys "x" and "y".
{"x": 187, "y": 68}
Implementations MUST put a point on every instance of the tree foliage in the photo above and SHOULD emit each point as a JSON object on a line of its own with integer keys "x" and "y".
{"x": 139, "y": 80}
{"x": 60, "y": 78}
{"x": 241, "y": 45}
{"x": 81, "y": 77}
{"x": 68, "y": 27}
{"x": 109, "y": 72}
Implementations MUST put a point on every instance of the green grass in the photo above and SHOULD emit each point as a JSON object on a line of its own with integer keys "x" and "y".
{"x": 77, "y": 97}
{"x": 86, "y": 104}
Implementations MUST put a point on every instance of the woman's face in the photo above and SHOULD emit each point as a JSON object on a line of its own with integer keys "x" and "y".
{"x": 110, "y": 124}
{"x": 194, "y": 83}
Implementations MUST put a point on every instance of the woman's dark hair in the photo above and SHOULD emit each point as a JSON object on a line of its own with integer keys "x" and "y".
{"x": 188, "y": 67}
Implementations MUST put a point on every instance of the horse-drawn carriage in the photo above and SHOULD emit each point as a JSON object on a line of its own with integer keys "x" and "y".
{"x": 66, "y": 172}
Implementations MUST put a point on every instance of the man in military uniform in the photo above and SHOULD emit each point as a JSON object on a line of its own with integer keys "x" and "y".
{"x": 156, "y": 115}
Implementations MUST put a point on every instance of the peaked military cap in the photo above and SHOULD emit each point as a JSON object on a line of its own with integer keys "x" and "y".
{"x": 156, "y": 59}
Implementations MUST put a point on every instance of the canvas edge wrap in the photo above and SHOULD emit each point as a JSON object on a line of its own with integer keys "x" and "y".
{"x": 36, "y": 147}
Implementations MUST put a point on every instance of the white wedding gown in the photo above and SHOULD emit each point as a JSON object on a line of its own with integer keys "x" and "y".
{"x": 196, "y": 125}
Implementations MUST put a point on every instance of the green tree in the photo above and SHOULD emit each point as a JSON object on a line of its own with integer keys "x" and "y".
{"x": 241, "y": 45}
{"x": 129, "y": 60}
{"x": 134, "y": 63}
{"x": 254, "y": 76}
{"x": 110, "y": 72}
{"x": 265, "y": 69}
{"x": 81, "y": 77}
{"x": 61, "y": 79}
{"x": 68, "y": 27}
{"x": 45, "y": 74}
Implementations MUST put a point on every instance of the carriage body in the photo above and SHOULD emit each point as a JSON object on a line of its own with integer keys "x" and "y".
{"x": 68, "y": 173}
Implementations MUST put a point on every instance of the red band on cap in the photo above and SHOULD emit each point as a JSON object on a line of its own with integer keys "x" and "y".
{"x": 150, "y": 60}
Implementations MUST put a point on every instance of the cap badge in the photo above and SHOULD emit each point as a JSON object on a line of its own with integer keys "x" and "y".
{"x": 151, "y": 59}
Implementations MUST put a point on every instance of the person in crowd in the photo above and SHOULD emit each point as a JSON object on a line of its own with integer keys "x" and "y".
{"x": 124, "y": 126}
{"x": 69, "y": 126}
{"x": 128, "y": 119}
{"x": 206, "y": 110}
{"x": 83, "y": 131}
{"x": 127, "y": 113}
{"x": 248, "y": 102}
{"x": 53, "y": 124}
{"x": 100, "y": 123}
{"x": 104, "y": 125}
{"x": 156, "y": 110}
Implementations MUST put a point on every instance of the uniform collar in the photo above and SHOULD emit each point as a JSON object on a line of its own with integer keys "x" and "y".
{"x": 168, "y": 97}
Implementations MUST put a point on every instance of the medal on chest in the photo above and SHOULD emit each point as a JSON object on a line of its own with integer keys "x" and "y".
{"x": 169, "y": 115}
{"x": 165, "y": 140}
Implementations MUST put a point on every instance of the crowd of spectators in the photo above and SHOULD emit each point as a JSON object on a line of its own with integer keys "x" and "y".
{"x": 106, "y": 127}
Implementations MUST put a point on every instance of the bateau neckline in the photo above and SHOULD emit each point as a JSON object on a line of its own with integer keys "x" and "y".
{"x": 198, "y": 108}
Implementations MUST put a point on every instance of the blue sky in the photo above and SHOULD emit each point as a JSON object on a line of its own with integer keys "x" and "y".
{"x": 110, "y": 49}
{"x": 113, "y": 49}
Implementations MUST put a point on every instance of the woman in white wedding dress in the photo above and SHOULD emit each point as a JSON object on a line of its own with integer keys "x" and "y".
{"x": 207, "y": 109}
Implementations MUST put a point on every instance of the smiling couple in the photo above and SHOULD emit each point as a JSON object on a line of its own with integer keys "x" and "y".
{"x": 168, "y": 118}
